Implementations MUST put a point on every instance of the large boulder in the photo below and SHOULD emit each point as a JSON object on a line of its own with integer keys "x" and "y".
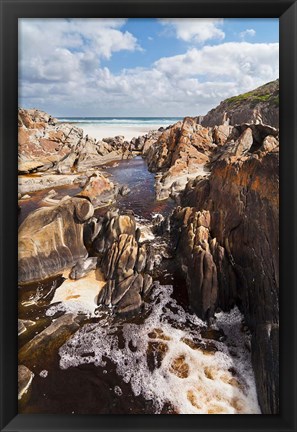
{"x": 99, "y": 190}
{"x": 51, "y": 239}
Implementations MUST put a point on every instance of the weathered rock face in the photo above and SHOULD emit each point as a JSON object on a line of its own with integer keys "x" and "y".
{"x": 99, "y": 190}
{"x": 203, "y": 260}
{"x": 44, "y": 144}
{"x": 34, "y": 183}
{"x": 180, "y": 152}
{"x": 32, "y": 117}
{"x": 124, "y": 263}
{"x": 258, "y": 106}
{"x": 242, "y": 198}
{"x": 51, "y": 239}
{"x": 42, "y": 140}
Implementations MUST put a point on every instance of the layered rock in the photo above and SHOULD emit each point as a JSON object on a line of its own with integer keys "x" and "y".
{"x": 258, "y": 106}
{"x": 42, "y": 140}
{"x": 124, "y": 262}
{"x": 204, "y": 261}
{"x": 242, "y": 198}
{"x": 179, "y": 154}
{"x": 45, "y": 144}
{"x": 35, "y": 183}
{"x": 51, "y": 239}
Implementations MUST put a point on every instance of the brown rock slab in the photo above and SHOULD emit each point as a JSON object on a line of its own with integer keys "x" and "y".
{"x": 51, "y": 239}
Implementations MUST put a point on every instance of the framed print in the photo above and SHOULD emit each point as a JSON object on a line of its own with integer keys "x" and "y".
{"x": 148, "y": 267}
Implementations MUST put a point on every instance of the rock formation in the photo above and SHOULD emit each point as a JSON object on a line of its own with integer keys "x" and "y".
{"x": 180, "y": 152}
{"x": 51, "y": 239}
{"x": 241, "y": 201}
{"x": 99, "y": 190}
{"x": 204, "y": 261}
{"x": 45, "y": 144}
{"x": 124, "y": 263}
{"x": 258, "y": 106}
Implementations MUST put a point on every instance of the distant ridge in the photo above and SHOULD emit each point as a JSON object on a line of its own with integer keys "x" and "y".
{"x": 257, "y": 106}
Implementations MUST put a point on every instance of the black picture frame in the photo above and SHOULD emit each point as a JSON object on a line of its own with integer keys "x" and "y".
{"x": 10, "y": 11}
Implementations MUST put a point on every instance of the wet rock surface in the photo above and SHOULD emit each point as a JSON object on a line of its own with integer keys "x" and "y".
{"x": 25, "y": 377}
{"x": 51, "y": 239}
{"x": 47, "y": 341}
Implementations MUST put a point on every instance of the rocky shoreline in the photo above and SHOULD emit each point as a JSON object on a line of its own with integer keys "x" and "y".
{"x": 222, "y": 233}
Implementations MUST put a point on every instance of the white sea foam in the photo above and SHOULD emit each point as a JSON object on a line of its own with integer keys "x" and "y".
{"x": 166, "y": 360}
{"x": 77, "y": 296}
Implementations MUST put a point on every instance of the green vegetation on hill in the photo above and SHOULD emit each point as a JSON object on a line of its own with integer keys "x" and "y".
{"x": 266, "y": 93}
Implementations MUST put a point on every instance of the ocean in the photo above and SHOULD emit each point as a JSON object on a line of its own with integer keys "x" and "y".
{"x": 129, "y": 127}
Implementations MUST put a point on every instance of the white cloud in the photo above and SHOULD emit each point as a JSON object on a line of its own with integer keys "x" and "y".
{"x": 65, "y": 49}
{"x": 195, "y": 29}
{"x": 60, "y": 72}
{"x": 247, "y": 33}
{"x": 229, "y": 60}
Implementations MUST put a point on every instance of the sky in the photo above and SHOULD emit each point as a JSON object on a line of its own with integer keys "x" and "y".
{"x": 142, "y": 66}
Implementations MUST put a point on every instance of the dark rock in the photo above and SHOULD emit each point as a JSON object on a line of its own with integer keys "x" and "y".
{"x": 123, "y": 264}
{"x": 25, "y": 377}
{"x": 46, "y": 343}
{"x": 124, "y": 190}
{"x": 91, "y": 231}
{"x": 83, "y": 267}
{"x": 196, "y": 252}
{"x": 242, "y": 198}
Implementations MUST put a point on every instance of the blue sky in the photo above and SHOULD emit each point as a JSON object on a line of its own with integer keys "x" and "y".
{"x": 142, "y": 67}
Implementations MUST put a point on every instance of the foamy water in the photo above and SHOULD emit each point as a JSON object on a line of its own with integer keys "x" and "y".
{"x": 166, "y": 360}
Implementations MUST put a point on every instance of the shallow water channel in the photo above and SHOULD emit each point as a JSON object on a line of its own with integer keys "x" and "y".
{"x": 165, "y": 360}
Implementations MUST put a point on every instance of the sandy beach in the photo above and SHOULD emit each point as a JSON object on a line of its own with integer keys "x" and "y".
{"x": 100, "y": 131}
